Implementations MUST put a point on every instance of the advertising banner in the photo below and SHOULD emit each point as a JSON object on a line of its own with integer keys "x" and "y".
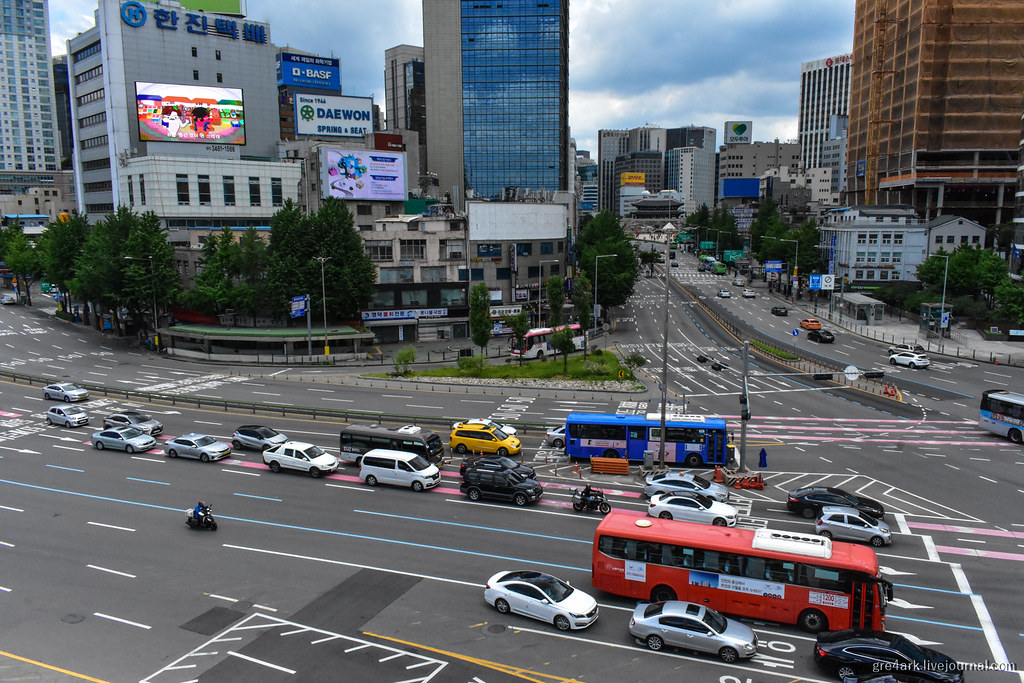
{"x": 738, "y": 132}
{"x": 632, "y": 178}
{"x": 350, "y": 117}
{"x": 738, "y": 584}
{"x": 189, "y": 113}
{"x": 363, "y": 174}
{"x": 309, "y": 71}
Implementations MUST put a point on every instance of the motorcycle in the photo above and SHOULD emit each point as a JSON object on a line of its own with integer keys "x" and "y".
{"x": 595, "y": 501}
{"x": 204, "y": 521}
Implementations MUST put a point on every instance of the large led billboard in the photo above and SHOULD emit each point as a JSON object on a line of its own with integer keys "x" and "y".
{"x": 171, "y": 112}
{"x": 363, "y": 174}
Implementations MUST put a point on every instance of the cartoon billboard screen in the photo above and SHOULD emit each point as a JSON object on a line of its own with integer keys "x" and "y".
{"x": 364, "y": 174}
{"x": 189, "y": 113}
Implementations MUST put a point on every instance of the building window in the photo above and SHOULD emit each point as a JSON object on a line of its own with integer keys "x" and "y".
{"x": 229, "y": 190}
{"x": 85, "y": 52}
{"x": 388, "y": 275}
{"x": 862, "y": 238}
{"x": 276, "y": 196}
{"x": 452, "y": 250}
{"x": 975, "y": 239}
{"x": 364, "y": 210}
{"x": 861, "y": 256}
{"x": 872, "y": 257}
{"x": 433, "y": 274}
{"x": 204, "y": 190}
{"x": 220, "y": 77}
{"x": 886, "y": 238}
{"x": 950, "y": 239}
{"x": 216, "y": 55}
{"x": 869, "y": 275}
{"x": 94, "y": 96}
{"x": 254, "y": 191}
{"x": 883, "y": 275}
{"x": 383, "y": 298}
{"x": 414, "y": 297}
{"x": 92, "y": 73}
{"x": 93, "y": 120}
{"x": 379, "y": 250}
{"x": 142, "y": 189}
{"x": 406, "y": 274}
{"x": 477, "y": 274}
{"x": 895, "y": 275}
{"x": 453, "y": 297}
{"x": 503, "y": 274}
{"x": 897, "y": 238}
{"x": 195, "y": 51}
{"x": 885, "y": 257}
{"x": 131, "y": 191}
{"x": 182, "y": 181}
{"x": 412, "y": 250}
{"x": 963, "y": 239}
{"x": 858, "y": 275}
{"x": 524, "y": 248}
{"x": 938, "y": 239}
{"x": 547, "y": 247}
{"x": 897, "y": 257}
{"x": 90, "y": 143}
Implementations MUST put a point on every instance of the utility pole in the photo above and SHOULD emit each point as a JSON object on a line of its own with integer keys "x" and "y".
{"x": 664, "y": 366}
{"x": 744, "y": 408}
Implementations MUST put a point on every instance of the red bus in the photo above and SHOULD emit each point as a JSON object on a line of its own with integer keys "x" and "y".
{"x": 779, "y": 576}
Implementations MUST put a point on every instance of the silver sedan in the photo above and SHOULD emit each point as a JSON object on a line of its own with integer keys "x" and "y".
{"x": 65, "y": 391}
{"x": 132, "y": 418}
{"x": 199, "y": 446}
{"x": 679, "y": 482}
{"x": 693, "y": 627}
{"x": 127, "y": 439}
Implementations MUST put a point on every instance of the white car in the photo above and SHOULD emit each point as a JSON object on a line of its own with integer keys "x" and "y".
{"x": 508, "y": 429}
{"x": 541, "y": 596}
{"x": 556, "y": 436}
{"x": 296, "y": 455}
{"x": 65, "y": 391}
{"x": 749, "y": 294}
{"x": 911, "y": 360}
{"x": 692, "y": 507}
{"x": 684, "y": 482}
{"x": 724, "y": 294}
{"x": 8, "y": 299}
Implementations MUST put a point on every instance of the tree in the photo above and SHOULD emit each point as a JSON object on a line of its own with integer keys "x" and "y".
{"x": 1010, "y": 302}
{"x": 251, "y": 291}
{"x": 404, "y": 358}
{"x": 556, "y": 300}
{"x": 520, "y": 325}
{"x": 59, "y": 247}
{"x": 480, "y": 327}
{"x": 149, "y": 276}
{"x": 603, "y": 235}
{"x": 213, "y": 285}
{"x": 561, "y": 342}
{"x": 21, "y": 258}
{"x": 99, "y": 269}
{"x": 648, "y": 258}
{"x": 581, "y": 301}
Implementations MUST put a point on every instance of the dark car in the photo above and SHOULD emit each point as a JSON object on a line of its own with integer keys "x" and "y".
{"x": 780, "y": 310}
{"x": 809, "y": 501}
{"x": 505, "y": 485}
{"x": 820, "y": 336}
{"x": 851, "y": 652}
{"x": 496, "y": 463}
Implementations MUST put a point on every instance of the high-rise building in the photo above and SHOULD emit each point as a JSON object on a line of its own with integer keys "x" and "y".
{"x": 648, "y": 164}
{"x": 754, "y": 159}
{"x": 944, "y": 133}
{"x": 405, "y": 93}
{"x": 62, "y": 105}
{"x": 497, "y": 96}
{"x": 28, "y": 127}
{"x": 824, "y": 93}
{"x": 611, "y": 144}
{"x": 690, "y": 165}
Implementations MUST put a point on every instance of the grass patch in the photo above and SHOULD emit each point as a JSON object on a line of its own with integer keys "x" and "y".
{"x": 775, "y": 351}
{"x": 604, "y": 367}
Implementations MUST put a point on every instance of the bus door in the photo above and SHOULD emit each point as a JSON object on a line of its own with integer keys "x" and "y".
{"x": 862, "y": 605}
{"x": 636, "y": 442}
{"x": 714, "y": 448}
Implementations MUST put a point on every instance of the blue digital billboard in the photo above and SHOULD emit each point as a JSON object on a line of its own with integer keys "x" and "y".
{"x": 309, "y": 71}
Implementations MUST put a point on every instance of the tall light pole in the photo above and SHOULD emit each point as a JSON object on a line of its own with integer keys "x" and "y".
{"x": 152, "y": 273}
{"x": 942, "y": 311}
{"x": 323, "y": 298}
{"x": 540, "y": 284}
{"x": 664, "y": 369}
{"x": 596, "y": 259}
{"x": 796, "y": 259}
{"x": 717, "y": 233}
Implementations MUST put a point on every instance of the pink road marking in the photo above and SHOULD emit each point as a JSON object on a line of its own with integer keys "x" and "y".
{"x": 835, "y": 439}
{"x": 889, "y": 430}
{"x": 965, "y": 529}
{"x": 3, "y": 414}
{"x": 974, "y": 552}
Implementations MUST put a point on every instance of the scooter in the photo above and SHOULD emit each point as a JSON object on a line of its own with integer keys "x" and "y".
{"x": 593, "y": 502}
{"x": 204, "y": 521}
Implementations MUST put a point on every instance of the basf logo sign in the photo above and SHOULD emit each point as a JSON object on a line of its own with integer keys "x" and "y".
{"x": 308, "y": 71}
{"x": 347, "y": 117}
{"x": 738, "y": 132}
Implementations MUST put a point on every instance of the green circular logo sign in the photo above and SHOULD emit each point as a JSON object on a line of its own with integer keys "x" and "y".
{"x": 306, "y": 112}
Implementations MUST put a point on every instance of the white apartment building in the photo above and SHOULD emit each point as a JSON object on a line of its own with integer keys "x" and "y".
{"x": 824, "y": 93}
{"x": 874, "y": 244}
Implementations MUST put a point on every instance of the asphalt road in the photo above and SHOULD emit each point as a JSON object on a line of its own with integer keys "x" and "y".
{"x": 306, "y": 578}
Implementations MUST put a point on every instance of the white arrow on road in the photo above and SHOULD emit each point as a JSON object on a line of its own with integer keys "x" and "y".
{"x": 900, "y": 602}
{"x": 166, "y": 412}
{"x": 894, "y": 572}
{"x": 918, "y": 641}
{"x": 19, "y": 450}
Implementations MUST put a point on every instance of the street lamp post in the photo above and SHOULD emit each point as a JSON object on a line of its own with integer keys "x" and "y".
{"x": 796, "y": 259}
{"x": 664, "y": 370}
{"x": 152, "y": 272}
{"x": 540, "y": 284}
{"x": 323, "y": 298}
{"x": 596, "y": 259}
{"x": 942, "y": 310}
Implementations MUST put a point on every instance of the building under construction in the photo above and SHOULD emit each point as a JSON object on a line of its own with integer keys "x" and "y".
{"x": 935, "y": 106}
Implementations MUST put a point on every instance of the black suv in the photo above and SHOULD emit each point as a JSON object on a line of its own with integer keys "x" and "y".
{"x": 780, "y": 310}
{"x": 480, "y": 483}
{"x": 496, "y": 463}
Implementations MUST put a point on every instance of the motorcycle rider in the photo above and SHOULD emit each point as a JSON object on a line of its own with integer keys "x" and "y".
{"x": 587, "y": 495}
{"x": 198, "y": 511}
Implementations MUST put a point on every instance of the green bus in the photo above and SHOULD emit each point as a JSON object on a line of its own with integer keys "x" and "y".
{"x": 718, "y": 268}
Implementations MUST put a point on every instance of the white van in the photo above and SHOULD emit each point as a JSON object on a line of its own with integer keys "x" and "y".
{"x": 380, "y": 465}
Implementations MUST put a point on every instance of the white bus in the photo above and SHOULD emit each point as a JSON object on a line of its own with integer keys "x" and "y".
{"x": 1002, "y": 413}
{"x": 537, "y": 342}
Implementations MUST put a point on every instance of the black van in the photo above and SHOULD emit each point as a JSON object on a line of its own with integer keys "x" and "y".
{"x": 358, "y": 439}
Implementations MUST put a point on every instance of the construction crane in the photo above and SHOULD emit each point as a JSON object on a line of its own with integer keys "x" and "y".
{"x": 875, "y": 122}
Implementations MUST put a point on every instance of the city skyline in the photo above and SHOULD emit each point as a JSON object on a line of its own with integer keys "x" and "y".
{"x": 712, "y": 65}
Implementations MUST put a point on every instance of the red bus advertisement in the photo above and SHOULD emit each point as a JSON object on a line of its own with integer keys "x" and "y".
{"x": 791, "y": 578}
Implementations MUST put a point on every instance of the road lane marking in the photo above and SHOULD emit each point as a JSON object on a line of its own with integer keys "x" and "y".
{"x": 70, "y": 469}
{"x": 110, "y": 571}
{"x": 247, "y": 495}
{"x": 260, "y": 661}
{"x": 148, "y": 481}
{"x": 48, "y": 666}
{"x": 123, "y": 621}
{"x": 111, "y": 526}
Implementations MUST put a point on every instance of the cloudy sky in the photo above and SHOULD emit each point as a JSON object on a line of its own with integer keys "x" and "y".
{"x": 631, "y": 62}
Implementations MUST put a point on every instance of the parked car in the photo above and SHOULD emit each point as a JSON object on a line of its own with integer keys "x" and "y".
{"x": 724, "y": 294}
{"x": 692, "y": 507}
{"x": 684, "y": 482}
{"x": 912, "y": 348}
{"x": 556, "y": 436}
{"x": 542, "y": 597}
{"x": 749, "y": 294}
{"x": 65, "y": 391}
{"x": 909, "y": 359}
{"x": 257, "y": 437}
{"x": 297, "y": 455}
{"x": 127, "y": 439}
{"x": 486, "y": 422}
{"x": 69, "y": 416}
{"x": 133, "y": 418}
{"x": 381, "y": 466}
{"x": 780, "y": 310}
{"x": 199, "y": 446}
{"x": 851, "y": 652}
{"x": 7, "y": 298}
{"x": 692, "y": 627}
{"x": 505, "y": 485}
{"x": 850, "y": 524}
{"x": 809, "y": 501}
{"x": 820, "y": 336}
{"x": 810, "y": 324}
{"x": 496, "y": 463}
{"x": 479, "y": 438}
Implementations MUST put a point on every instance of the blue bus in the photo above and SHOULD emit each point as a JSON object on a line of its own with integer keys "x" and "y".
{"x": 1002, "y": 413}
{"x": 691, "y": 439}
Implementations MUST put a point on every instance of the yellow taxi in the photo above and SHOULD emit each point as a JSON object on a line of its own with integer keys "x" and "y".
{"x": 477, "y": 438}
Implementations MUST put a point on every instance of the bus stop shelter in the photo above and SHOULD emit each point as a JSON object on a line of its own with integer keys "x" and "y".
{"x": 863, "y": 308}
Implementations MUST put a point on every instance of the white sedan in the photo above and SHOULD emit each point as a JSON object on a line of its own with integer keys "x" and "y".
{"x": 541, "y": 596}
{"x": 910, "y": 359}
{"x": 724, "y": 294}
{"x": 749, "y": 294}
{"x": 8, "y": 299}
{"x": 692, "y": 507}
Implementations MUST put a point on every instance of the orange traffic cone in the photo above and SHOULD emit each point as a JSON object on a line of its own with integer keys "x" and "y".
{"x": 739, "y": 483}
{"x": 718, "y": 475}
{"x": 576, "y": 471}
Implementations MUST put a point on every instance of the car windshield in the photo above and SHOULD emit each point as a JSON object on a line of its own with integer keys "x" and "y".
{"x": 70, "y": 387}
{"x": 266, "y": 432}
{"x": 515, "y": 478}
{"x": 131, "y": 433}
{"x": 701, "y": 482}
{"x": 419, "y": 463}
{"x": 205, "y": 441}
{"x": 136, "y": 417}
{"x": 904, "y": 646}
{"x": 715, "y": 621}
{"x": 314, "y": 452}
{"x": 499, "y": 435}
{"x": 702, "y": 499}
{"x": 556, "y": 589}
{"x": 73, "y": 410}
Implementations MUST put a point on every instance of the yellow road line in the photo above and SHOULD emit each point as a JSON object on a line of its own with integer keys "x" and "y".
{"x": 52, "y": 668}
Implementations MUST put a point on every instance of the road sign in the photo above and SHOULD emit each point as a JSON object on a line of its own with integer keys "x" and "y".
{"x": 796, "y": 333}
{"x": 732, "y": 254}
{"x": 707, "y": 244}
{"x": 852, "y": 373}
{"x": 298, "y": 306}
{"x": 945, "y": 319}
{"x": 773, "y": 266}
{"x": 827, "y": 282}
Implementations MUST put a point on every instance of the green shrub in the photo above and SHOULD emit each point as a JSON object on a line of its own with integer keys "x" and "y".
{"x": 472, "y": 365}
{"x": 597, "y": 352}
{"x": 775, "y": 351}
{"x": 403, "y": 359}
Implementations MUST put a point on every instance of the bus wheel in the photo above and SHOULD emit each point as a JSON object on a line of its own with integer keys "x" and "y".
{"x": 611, "y": 453}
{"x": 1015, "y": 436}
{"x": 664, "y": 594}
{"x": 693, "y": 460}
{"x": 812, "y": 621}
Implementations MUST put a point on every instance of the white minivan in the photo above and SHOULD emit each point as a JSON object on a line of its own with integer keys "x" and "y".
{"x": 380, "y": 465}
